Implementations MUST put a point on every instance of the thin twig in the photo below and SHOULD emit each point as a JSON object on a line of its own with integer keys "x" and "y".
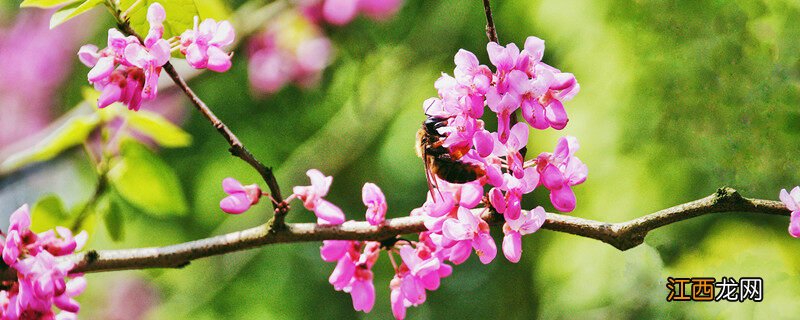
{"x": 623, "y": 236}
{"x": 491, "y": 31}
{"x": 237, "y": 148}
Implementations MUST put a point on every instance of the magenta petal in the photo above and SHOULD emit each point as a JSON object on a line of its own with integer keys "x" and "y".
{"x": 535, "y": 47}
{"x": 512, "y": 246}
{"x": 497, "y": 200}
{"x": 342, "y": 274}
{"x": 88, "y": 55}
{"x": 484, "y": 143}
{"x": 556, "y": 115}
{"x": 156, "y": 13}
{"x": 552, "y": 178}
{"x": 11, "y": 250}
{"x": 20, "y": 220}
{"x": 329, "y": 212}
{"x": 398, "y": 305}
{"x": 513, "y": 207}
{"x": 224, "y": 35}
{"x": 231, "y": 186}
{"x": 431, "y": 281}
{"x": 363, "y": 294}
{"x": 235, "y": 203}
{"x": 218, "y": 60}
{"x": 460, "y": 251}
{"x": 455, "y": 230}
{"x": 494, "y": 175}
{"x": 339, "y": 12}
{"x": 485, "y": 247}
{"x": 471, "y": 195}
{"x": 563, "y": 199}
{"x": 413, "y": 290}
{"x": 787, "y": 200}
{"x": 196, "y": 57}
{"x": 440, "y": 206}
{"x": 102, "y": 69}
{"x": 333, "y": 250}
{"x": 794, "y": 225}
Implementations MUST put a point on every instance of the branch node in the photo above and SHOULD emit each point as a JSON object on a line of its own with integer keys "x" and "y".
{"x": 727, "y": 194}
{"x": 92, "y": 256}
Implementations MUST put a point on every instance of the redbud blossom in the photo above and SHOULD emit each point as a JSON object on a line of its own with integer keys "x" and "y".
{"x": 312, "y": 197}
{"x": 376, "y": 203}
{"x": 41, "y": 279}
{"x": 127, "y": 70}
{"x": 240, "y": 198}
{"x": 203, "y": 45}
{"x": 527, "y": 223}
{"x": 792, "y": 202}
{"x": 465, "y": 233}
{"x": 290, "y": 49}
{"x": 341, "y": 12}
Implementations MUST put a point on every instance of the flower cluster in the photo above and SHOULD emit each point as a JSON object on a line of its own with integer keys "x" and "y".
{"x": 455, "y": 212}
{"x": 127, "y": 70}
{"x": 341, "y": 12}
{"x": 41, "y": 278}
{"x": 792, "y": 202}
{"x": 293, "y": 49}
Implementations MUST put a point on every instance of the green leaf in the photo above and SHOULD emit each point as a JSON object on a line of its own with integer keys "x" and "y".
{"x": 180, "y": 15}
{"x": 71, "y": 11}
{"x": 114, "y": 220}
{"x": 214, "y": 9}
{"x": 47, "y": 213}
{"x": 71, "y": 133}
{"x": 159, "y": 129}
{"x": 145, "y": 181}
{"x": 44, "y": 3}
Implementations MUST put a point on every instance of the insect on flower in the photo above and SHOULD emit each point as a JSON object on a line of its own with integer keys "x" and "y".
{"x": 441, "y": 161}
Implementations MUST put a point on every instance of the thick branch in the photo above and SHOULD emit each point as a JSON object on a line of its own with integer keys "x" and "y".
{"x": 622, "y": 236}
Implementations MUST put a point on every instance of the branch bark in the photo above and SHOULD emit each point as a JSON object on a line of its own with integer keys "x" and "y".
{"x": 491, "y": 31}
{"x": 623, "y": 236}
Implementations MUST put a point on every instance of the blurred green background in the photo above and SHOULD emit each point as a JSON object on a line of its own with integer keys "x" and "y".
{"x": 677, "y": 99}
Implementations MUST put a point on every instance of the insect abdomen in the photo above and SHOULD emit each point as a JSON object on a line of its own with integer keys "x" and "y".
{"x": 456, "y": 171}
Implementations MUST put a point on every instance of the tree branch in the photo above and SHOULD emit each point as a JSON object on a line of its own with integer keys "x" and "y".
{"x": 491, "y": 31}
{"x": 623, "y": 236}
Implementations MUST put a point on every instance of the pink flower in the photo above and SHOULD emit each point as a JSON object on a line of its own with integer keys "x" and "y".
{"x": 469, "y": 72}
{"x": 203, "y": 45}
{"x": 468, "y": 232}
{"x": 240, "y": 198}
{"x": 376, "y": 203}
{"x": 560, "y": 171}
{"x": 380, "y": 9}
{"x": 792, "y": 202}
{"x": 353, "y": 272}
{"x": 422, "y": 274}
{"x": 503, "y": 105}
{"x": 290, "y": 50}
{"x": 126, "y": 70}
{"x": 341, "y": 12}
{"x": 41, "y": 279}
{"x": 527, "y": 223}
{"x": 64, "y": 244}
{"x": 312, "y": 197}
{"x": 19, "y": 236}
